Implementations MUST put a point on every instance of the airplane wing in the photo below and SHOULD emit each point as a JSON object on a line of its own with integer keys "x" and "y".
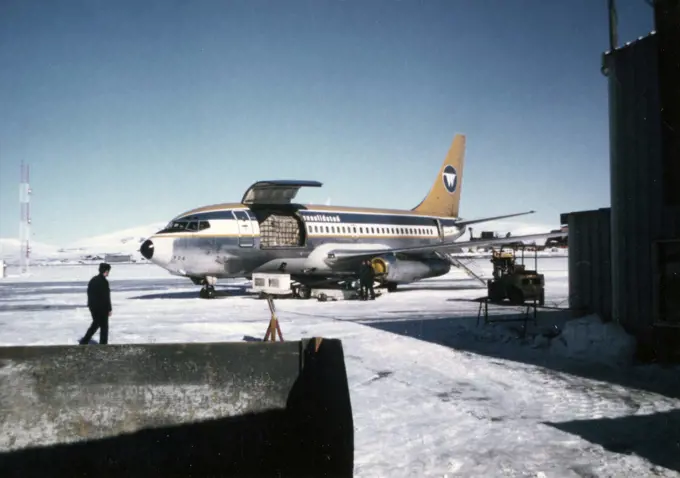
{"x": 339, "y": 255}
{"x": 280, "y": 191}
{"x": 464, "y": 222}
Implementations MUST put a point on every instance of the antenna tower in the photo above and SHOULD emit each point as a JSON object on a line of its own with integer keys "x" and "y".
{"x": 25, "y": 224}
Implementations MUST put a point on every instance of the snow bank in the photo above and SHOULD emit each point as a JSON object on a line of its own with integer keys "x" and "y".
{"x": 590, "y": 339}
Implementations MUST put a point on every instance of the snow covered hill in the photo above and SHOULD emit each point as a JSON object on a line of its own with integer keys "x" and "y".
{"x": 10, "y": 247}
{"x": 126, "y": 241}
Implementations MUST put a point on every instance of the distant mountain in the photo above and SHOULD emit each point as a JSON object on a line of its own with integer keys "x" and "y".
{"x": 126, "y": 241}
{"x": 9, "y": 251}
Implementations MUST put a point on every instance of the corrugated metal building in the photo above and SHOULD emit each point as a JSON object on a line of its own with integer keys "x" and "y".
{"x": 589, "y": 244}
{"x": 645, "y": 183}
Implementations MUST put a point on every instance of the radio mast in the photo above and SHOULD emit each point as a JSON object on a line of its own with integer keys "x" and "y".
{"x": 25, "y": 224}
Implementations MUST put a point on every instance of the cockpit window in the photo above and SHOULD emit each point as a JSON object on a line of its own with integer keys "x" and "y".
{"x": 181, "y": 226}
{"x": 174, "y": 226}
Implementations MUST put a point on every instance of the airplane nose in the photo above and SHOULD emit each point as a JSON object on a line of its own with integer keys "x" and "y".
{"x": 147, "y": 249}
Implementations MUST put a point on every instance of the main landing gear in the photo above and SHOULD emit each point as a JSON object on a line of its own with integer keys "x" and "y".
{"x": 301, "y": 291}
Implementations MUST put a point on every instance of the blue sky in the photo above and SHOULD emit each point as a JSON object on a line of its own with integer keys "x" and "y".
{"x": 131, "y": 112}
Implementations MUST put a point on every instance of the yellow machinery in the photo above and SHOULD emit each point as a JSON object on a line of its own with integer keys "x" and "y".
{"x": 513, "y": 281}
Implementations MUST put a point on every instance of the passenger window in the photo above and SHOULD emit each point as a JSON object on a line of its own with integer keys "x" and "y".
{"x": 361, "y": 230}
{"x": 355, "y": 229}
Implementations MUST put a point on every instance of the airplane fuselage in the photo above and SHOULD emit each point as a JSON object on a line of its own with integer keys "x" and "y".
{"x": 266, "y": 232}
{"x": 235, "y": 240}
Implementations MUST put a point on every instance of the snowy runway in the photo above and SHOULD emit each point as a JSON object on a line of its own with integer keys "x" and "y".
{"x": 433, "y": 394}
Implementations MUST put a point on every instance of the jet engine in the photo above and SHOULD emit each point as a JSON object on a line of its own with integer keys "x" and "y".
{"x": 390, "y": 269}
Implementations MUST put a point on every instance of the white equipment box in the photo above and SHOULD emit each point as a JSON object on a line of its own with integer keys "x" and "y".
{"x": 272, "y": 284}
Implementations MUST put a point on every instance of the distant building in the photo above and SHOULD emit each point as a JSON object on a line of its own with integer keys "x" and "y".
{"x": 110, "y": 258}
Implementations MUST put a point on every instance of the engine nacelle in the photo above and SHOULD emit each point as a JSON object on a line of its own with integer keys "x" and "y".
{"x": 390, "y": 269}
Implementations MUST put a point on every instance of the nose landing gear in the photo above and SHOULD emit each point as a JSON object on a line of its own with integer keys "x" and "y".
{"x": 208, "y": 289}
{"x": 207, "y": 292}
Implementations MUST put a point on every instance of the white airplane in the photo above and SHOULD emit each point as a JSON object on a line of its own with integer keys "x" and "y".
{"x": 321, "y": 245}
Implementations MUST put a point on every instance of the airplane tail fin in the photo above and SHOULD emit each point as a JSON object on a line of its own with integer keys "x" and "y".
{"x": 444, "y": 196}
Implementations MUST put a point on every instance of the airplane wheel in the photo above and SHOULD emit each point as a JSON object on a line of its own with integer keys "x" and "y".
{"x": 304, "y": 292}
{"x": 207, "y": 292}
{"x": 391, "y": 287}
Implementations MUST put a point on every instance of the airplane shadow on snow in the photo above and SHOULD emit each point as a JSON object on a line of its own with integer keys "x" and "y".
{"x": 193, "y": 294}
{"x": 63, "y": 288}
{"x": 37, "y": 307}
{"x": 631, "y": 434}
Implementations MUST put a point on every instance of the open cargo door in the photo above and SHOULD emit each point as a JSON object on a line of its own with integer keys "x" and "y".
{"x": 197, "y": 409}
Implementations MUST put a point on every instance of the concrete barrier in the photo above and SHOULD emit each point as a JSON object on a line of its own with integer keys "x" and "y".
{"x": 220, "y": 409}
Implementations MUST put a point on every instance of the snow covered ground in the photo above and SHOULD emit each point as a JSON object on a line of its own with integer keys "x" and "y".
{"x": 433, "y": 393}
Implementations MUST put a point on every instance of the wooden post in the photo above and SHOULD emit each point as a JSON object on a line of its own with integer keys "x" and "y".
{"x": 273, "y": 327}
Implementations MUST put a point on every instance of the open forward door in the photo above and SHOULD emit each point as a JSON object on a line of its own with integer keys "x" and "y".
{"x": 281, "y": 191}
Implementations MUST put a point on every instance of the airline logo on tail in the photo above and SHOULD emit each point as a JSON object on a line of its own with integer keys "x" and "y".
{"x": 450, "y": 178}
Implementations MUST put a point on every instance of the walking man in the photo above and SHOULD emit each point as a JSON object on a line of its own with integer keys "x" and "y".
{"x": 99, "y": 303}
{"x": 370, "y": 279}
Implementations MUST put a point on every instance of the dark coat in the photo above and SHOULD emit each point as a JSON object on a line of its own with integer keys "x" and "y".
{"x": 363, "y": 273}
{"x": 99, "y": 294}
{"x": 366, "y": 273}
